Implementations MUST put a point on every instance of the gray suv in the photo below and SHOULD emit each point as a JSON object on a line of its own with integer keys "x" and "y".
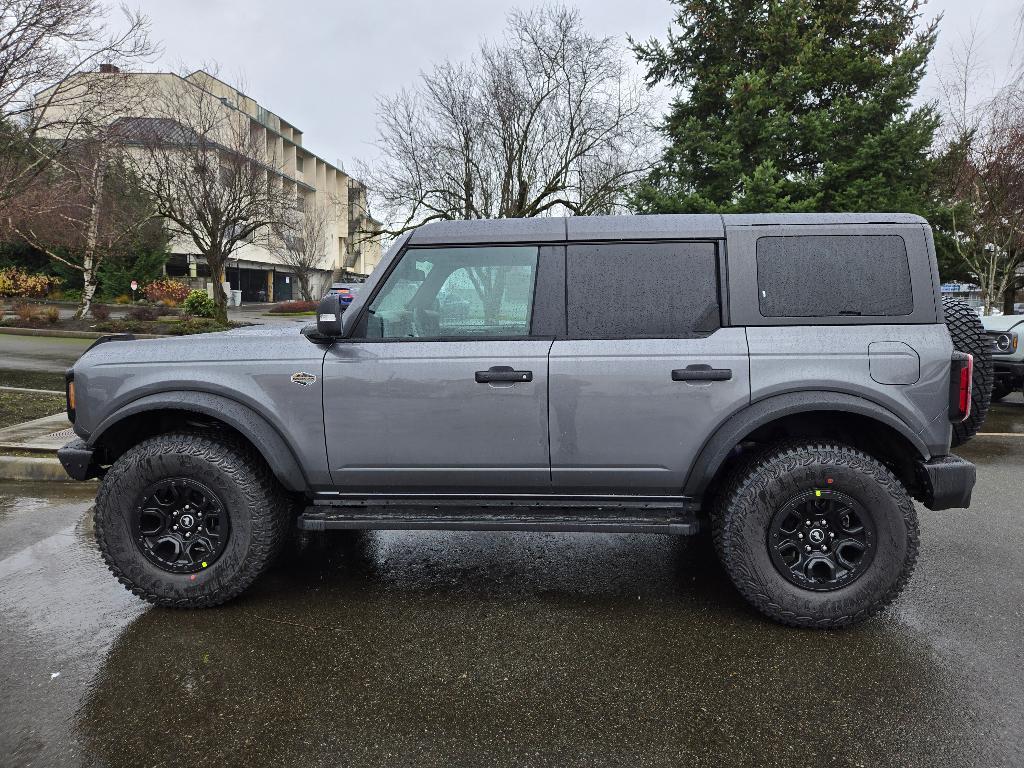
{"x": 787, "y": 382}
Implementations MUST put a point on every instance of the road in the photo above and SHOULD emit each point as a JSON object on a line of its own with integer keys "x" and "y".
{"x": 39, "y": 353}
{"x": 472, "y": 649}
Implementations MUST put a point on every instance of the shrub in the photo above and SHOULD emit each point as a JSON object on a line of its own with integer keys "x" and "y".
{"x": 16, "y": 282}
{"x": 26, "y": 312}
{"x": 124, "y": 298}
{"x": 199, "y": 304}
{"x": 143, "y": 313}
{"x": 119, "y": 326}
{"x": 51, "y": 315}
{"x": 166, "y": 289}
{"x": 100, "y": 312}
{"x": 196, "y": 325}
{"x": 288, "y": 307}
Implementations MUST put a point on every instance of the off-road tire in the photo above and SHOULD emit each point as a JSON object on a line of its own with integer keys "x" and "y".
{"x": 755, "y": 491}
{"x": 259, "y": 511}
{"x": 968, "y": 335}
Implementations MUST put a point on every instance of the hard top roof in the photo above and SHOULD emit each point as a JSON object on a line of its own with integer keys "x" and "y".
{"x": 689, "y": 226}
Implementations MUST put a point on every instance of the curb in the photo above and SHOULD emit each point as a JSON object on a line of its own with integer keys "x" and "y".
{"x": 74, "y": 334}
{"x": 32, "y": 468}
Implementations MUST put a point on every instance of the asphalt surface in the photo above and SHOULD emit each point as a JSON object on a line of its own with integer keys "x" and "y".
{"x": 489, "y": 649}
{"x": 40, "y": 353}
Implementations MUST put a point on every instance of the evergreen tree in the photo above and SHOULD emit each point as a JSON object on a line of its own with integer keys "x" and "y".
{"x": 792, "y": 105}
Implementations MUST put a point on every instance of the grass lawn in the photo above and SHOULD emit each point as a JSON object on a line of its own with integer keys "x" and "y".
{"x": 32, "y": 379}
{"x": 16, "y": 407}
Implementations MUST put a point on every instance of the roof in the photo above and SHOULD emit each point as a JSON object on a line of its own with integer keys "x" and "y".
{"x": 701, "y": 226}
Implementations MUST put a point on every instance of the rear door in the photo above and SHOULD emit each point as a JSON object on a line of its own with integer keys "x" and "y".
{"x": 646, "y": 372}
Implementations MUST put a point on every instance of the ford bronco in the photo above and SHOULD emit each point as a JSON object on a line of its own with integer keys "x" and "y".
{"x": 1005, "y": 331}
{"x": 788, "y": 382}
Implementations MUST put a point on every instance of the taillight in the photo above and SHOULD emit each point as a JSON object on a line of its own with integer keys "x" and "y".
{"x": 960, "y": 380}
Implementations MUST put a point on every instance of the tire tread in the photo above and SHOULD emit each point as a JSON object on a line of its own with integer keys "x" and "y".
{"x": 752, "y": 476}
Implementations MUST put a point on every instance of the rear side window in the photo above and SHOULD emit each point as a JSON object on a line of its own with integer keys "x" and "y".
{"x": 636, "y": 290}
{"x": 832, "y": 275}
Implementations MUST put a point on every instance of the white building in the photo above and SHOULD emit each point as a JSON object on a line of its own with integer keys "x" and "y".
{"x": 256, "y": 268}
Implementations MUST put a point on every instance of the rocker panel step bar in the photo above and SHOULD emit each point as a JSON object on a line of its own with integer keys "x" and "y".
{"x": 417, "y": 513}
{"x": 681, "y": 504}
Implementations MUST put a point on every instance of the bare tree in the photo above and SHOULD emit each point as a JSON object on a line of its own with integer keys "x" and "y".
{"x": 548, "y": 120}
{"x": 982, "y": 158}
{"x": 87, "y": 207}
{"x": 302, "y": 240}
{"x": 46, "y": 99}
{"x": 212, "y": 174}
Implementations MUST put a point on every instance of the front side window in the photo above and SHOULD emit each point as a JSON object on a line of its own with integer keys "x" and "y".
{"x": 456, "y": 292}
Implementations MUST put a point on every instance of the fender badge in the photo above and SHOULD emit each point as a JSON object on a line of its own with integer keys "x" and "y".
{"x": 303, "y": 378}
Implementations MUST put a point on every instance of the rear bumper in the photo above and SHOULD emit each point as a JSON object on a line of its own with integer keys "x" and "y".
{"x": 946, "y": 482}
{"x": 78, "y": 460}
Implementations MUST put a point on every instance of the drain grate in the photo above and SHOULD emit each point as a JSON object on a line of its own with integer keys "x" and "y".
{"x": 63, "y": 433}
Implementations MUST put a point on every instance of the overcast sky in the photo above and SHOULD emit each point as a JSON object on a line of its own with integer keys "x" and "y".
{"x": 320, "y": 64}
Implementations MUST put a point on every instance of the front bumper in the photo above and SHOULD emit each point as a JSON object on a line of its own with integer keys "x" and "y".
{"x": 1006, "y": 369}
{"x": 946, "y": 482}
{"x": 78, "y": 460}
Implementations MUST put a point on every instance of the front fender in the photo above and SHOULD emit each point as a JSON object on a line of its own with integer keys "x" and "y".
{"x": 251, "y": 425}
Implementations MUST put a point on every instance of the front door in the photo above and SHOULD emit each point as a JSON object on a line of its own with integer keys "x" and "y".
{"x": 646, "y": 373}
{"x": 442, "y": 387}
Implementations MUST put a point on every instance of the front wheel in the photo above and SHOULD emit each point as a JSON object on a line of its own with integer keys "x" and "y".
{"x": 189, "y": 519}
{"x": 816, "y": 535}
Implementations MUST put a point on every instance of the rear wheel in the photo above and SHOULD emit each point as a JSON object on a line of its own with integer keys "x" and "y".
{"x": 816, "y": 535}
{"x": 968, "y": 335}
{"x": 189, "y": 520}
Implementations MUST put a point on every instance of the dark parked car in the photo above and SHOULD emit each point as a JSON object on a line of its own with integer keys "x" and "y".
{"x": 345, "y": 292}
{"x": 791, "y": 382}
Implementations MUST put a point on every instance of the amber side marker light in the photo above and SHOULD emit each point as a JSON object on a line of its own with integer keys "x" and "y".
{"x": 69, "y": 389}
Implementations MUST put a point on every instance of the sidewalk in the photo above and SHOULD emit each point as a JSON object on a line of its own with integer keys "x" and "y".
{"x": 41, "y": 437}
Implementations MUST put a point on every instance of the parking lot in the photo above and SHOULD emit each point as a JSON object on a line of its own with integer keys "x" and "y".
{"x": 509, "y": 649}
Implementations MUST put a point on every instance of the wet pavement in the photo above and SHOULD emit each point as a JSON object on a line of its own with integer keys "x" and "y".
{"x": 491, "y": 649}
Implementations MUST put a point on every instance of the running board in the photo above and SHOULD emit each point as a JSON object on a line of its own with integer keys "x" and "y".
{"x": 522, "y": 513}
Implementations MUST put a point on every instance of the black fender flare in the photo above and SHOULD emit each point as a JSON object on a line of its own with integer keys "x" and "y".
{"x": 264, "y": 437}
{"x": 718, "y": 447}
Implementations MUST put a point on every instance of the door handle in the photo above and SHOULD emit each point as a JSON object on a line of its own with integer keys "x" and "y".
{"x": 502, "y": 373}
{"x": 701, "y": 373}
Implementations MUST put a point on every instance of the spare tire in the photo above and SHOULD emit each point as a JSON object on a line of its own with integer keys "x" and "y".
{"x": 968, "y": 335}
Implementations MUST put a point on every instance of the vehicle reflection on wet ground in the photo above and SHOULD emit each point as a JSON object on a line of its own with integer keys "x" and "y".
{"x": 475, "y": 649}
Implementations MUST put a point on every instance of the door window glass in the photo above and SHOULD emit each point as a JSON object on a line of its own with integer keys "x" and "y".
{"x": 637, "y": 290}
{"x": 456, "y": 292}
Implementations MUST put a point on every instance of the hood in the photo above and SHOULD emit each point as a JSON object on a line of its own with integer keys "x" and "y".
{"x": 259, "y": 342}
{"x": 1001, "y": 322}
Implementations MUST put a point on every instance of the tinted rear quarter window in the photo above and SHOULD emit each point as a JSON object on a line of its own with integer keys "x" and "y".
{"x": 637, "y": 290}
{"x": 833, "y": 275}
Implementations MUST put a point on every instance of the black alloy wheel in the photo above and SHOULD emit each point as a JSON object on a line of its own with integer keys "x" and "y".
{"x": 180, "y": 526}
{"x": 822, "y": 540}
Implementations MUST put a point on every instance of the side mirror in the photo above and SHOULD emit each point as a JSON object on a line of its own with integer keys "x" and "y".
{"x": 328, "y": 315}
{"x": 328, "y": 321}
